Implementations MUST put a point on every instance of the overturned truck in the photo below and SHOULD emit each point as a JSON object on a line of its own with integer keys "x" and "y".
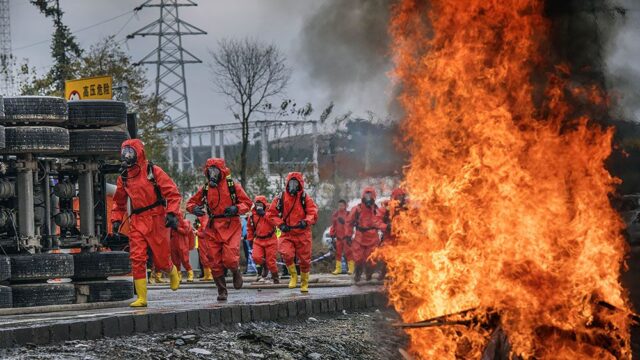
{"x": 55, "y": 159}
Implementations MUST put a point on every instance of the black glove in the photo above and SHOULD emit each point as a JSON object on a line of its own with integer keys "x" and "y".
{"x": 171, "y": 221}
{"x": 115, "y": 227}
{"x": 302, "y": 224}
{"x": 260, "y": 212}
{"x": 198, "y": 211}
{"x": 349, "y": 240}
{"x": 231, "y": 211}
{"x": 341, "y": 220}
{"x": 285, "y": 228}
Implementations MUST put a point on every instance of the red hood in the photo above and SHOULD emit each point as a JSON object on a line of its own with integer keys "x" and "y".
{"x": 220, "y": 164}
{"x": 262, "y": 199}
{"x": 397, "y": 193}
{"x": 138, "y": 146}
{"x": 371, "y": 190}
{"x": 298, "y": 176}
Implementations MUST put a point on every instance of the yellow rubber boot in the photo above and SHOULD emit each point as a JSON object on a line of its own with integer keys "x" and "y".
{"x": 208, "y": 276}
{"x": 141, "y": 290}
{"x": 190, "y": 276}
{"x": 338, "y": 269}
{"x": 294, "y": 276}
{"x": 174, "y": 279}
{"x": 158, "y": 276}
{"x": 352, "y": 267}
{"x": 304, "y": 282}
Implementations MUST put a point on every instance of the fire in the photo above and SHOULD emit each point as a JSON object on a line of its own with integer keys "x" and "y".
{"x": 509, "y": 212}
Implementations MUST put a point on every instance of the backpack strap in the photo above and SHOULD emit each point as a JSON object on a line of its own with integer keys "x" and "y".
{"x": 280, "y": 205}
{"x": 303, "y": 201}
{"x": 232, "y": 190}
{"x": 205, "y": 198}
{"x": 160, "y": 200}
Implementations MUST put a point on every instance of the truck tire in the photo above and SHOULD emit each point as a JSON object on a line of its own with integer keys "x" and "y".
{"x": 2, "y": 138}
{"x": 100, "y": 265}
{"x": 27, "y": 295}
{"x": 96, "y": 142}
{"x": 6, "y": 300}
{"x": 96, "y": 113}
{"x": 5, "y": 268}
{"x": 21, "y": 110}
{"x": 35, "y": 139}
{"x": 103, "y": 291}
{"x": 41, "y": 267}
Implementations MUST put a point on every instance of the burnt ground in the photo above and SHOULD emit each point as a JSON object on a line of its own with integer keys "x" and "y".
{"x": 348, "y": 336}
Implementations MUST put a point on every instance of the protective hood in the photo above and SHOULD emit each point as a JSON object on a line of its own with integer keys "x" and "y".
{"x": 220, "y": 164}
{"x": 295, "y": 175}
{"x": 262, "y": 199}
{"x": 398, "y": 193}
{"x": 371, "y": 190}
{"x": 138, "y": 146}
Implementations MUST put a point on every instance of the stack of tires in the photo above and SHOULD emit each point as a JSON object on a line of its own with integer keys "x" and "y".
{"x": 29, "y": 275}
{"x": 91, "y": 272}
{"x": 50, "y": 126}
{"x": 96, "y": 128}
{"x": 34, "y": 125}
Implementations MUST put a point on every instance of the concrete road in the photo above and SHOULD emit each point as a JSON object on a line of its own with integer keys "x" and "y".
{"x": 187, "y": 298}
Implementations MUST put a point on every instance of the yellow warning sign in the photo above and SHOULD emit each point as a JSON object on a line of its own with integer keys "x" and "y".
{"x": 99, "y": 87}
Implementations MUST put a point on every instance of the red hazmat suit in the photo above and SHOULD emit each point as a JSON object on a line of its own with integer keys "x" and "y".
{"x": 297, "y": 242}
{"x": 223, "y": 235}
{"x": 203, "y": 249}
{"x": 147, "y": 229}
{"x": 395, "y": 205}
{"x": 182, "y": 241}
{"x": 340, "y": 231}
{"x": 366, "y": 221}
{"x": 263, "y": 236}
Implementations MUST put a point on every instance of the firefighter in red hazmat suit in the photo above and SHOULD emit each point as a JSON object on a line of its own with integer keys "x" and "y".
{"x": 182, "y": 241}
{"x": 262, "y": 234}
{"x": 223, "y": 201}
{"x": 293, "y": 212}
{"x": 203, "y": 249}
{"x": 366, "y": 219}
{"x": 340, "y": 234}
{"x": 155, "y": 208}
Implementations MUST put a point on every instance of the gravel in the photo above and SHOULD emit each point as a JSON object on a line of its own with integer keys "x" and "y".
{"x": 347, "y": 336}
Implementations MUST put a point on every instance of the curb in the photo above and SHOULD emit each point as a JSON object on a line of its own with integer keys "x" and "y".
{"x": 128, "y": 324}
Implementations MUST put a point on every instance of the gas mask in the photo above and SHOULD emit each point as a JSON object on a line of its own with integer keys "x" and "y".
{"x": 213, "y": 175}
{"x": 293, "y": 187}
{"x": 368, "y": 199}
{"x": 259, "y": 208}
{"x": 128, "y": 156}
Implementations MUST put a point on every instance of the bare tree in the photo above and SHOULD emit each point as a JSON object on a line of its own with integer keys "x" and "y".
{"x": 248, "y": 73}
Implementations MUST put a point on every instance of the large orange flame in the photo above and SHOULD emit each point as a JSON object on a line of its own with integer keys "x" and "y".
{"x": 509, "y": 194}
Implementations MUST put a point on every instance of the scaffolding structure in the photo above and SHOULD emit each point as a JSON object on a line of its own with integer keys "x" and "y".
{"x": 169, "y": 58}
{"x": 6, "y": 55}
{"x": 217, "y": 137}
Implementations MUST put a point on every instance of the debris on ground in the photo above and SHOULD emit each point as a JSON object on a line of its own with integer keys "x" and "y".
{"x": 352, "y": 336}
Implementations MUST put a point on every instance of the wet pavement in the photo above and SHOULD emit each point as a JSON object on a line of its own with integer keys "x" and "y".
{"x": 189, "y": 297}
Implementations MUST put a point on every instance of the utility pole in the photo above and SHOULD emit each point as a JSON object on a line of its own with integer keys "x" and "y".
{"x": 6, "y": 56}
{"x": 169, "y": 58}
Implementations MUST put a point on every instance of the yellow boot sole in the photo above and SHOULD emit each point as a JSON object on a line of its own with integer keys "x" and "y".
{"x": 139, "y": 303}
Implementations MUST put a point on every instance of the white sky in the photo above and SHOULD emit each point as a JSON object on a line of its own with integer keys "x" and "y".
{"x": 275, "y": 21}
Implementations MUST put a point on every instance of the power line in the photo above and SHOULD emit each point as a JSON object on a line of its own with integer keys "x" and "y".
{"x": 81, "y": 30}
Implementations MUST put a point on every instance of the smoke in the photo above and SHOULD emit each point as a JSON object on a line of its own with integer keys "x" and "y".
{"x": 344, "y": 47}
{"x": 622, "y": 68}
